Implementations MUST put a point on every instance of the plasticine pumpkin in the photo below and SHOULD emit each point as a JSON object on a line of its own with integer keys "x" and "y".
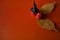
{"x": 17, "y": 22}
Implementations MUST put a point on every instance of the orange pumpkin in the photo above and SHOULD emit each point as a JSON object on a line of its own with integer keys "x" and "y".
{"x": 17, "y": 22}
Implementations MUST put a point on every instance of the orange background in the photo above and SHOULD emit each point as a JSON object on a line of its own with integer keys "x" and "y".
{"x": 17, "y": 22}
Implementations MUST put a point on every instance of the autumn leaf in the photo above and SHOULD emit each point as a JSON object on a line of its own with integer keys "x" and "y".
{"x": 47, "y": 24}
{"x": 47, "y": 8}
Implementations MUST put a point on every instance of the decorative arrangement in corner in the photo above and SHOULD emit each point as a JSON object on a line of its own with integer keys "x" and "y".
{"x": 40, "y": 14}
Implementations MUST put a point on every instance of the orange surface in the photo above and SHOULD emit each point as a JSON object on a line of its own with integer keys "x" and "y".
{"x": 17, "y": 22}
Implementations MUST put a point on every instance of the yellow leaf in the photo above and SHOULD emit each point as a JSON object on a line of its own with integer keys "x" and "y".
{"x": 47, "y": 8}
{"x": 47, "y": 24}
